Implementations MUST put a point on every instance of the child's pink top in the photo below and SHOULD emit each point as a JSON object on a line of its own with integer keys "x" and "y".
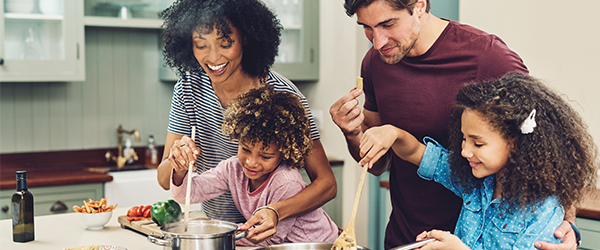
{"x": 283, "y": 183}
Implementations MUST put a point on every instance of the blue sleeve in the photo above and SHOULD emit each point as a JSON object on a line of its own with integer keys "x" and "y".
{"x": 435, "y": 166}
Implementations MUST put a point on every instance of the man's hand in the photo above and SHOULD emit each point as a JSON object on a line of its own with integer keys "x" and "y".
{"x": 264, "y": 222}
{"x": 346, "y": 114}
{"x": 564, "y": 232}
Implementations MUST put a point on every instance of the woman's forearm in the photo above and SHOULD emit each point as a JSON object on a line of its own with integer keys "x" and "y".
{"x": 322, "y": 188}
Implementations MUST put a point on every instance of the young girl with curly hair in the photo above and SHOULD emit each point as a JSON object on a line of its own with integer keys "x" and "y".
{"x": 518, "y": 155}
{"x": 274, "y": 138}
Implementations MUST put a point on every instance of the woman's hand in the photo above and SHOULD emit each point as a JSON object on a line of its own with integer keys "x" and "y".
{"x": 183, "y": 153}
{"x": 444, "y": 240}
{"x": 264, "y": 222}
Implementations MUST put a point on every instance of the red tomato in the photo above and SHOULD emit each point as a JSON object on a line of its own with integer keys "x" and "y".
{"x": 140, "y": 211}
{"x": 132, "y": 212}
{"x": 148, "y": 213}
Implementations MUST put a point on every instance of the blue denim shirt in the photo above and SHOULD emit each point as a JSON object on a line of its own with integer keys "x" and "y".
{"x": 481, "y": 224}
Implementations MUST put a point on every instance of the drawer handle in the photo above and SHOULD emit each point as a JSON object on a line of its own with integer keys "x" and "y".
{"x": 58, "y": 206}
{"x": 5, "y": 208}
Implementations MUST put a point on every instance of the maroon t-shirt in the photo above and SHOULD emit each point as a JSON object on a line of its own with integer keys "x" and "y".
{"x": 417, "y": 94}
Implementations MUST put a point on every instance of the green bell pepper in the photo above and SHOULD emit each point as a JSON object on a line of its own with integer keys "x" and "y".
{"x": 166, "y": 212}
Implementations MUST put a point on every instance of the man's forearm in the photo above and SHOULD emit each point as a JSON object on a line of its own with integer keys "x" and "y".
{"x": 164, "y": 174}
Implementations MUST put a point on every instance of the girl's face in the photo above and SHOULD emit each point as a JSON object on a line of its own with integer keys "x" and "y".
{"x": 485, "y": 149}
{"x": 219, "y": 55}
{"x": 258, "y": 162}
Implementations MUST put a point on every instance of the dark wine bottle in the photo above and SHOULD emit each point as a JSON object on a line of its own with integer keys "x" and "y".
{"x": 22, "y": 211}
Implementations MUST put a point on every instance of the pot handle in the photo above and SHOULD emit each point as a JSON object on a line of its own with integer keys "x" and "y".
{"x": 158, "y": 241}
{"x": 241, "y": 235}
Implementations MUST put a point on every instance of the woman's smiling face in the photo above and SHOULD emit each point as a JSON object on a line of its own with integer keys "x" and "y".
{"x": 220, "y": 55}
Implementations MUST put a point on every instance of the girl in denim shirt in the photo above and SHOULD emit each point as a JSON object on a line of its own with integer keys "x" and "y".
{"x": 525, "y": 156}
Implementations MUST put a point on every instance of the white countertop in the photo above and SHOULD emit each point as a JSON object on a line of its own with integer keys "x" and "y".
{"x": 57, "y": 232}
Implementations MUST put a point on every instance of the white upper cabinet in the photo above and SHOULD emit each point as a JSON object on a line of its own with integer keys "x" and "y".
{"x": 41, "y": 41}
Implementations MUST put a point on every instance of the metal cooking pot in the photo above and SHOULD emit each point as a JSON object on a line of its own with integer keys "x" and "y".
{"x": 201, "y": 234}
{"x": 304, "y": 246}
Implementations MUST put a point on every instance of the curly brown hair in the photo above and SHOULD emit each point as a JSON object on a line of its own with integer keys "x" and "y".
{"x": 558, "y": 159}
{"x": 267, "y": 116}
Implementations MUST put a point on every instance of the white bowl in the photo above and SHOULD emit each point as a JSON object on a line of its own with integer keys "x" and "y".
{"x": 95, "y": 221}
{"x": 51, "y": 7}
{"x": 19, "y": 6}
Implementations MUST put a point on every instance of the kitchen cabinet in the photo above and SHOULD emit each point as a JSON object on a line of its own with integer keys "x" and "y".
{"x": 590, "y": 233}
{"x": 41, "y": 42}
{"x": 44, "y": 198}
{"x": 298, "y": 57}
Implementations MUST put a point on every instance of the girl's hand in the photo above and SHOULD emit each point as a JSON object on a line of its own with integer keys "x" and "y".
{"x": 182, "y": 153}
{"x": 375, "y": 142}
{"x": 445, "y": 240}
{"x": 264, "y": 222}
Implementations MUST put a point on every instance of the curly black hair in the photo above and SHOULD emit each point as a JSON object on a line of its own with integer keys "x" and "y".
{"x": 557, "y": 159}
{"x": 267, "y": 116}
{"x": 352, "y": 6}
{"x": 259, "y": 27}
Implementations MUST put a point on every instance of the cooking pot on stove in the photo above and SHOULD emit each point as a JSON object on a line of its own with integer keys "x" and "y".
{"x": 201, "y": 234}
{"x": 304, "y": 246}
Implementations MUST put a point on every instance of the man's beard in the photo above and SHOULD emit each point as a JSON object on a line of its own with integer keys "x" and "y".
{"x": 401, "y": 54}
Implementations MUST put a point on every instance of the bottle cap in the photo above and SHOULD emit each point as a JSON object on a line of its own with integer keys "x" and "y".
{"x": 21, "y": 174}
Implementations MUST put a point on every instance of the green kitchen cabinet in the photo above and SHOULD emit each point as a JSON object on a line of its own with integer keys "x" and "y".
{"x": 590, "y": 233}
{"x": 41, "y": 42}
{"x": 45, "y": 198}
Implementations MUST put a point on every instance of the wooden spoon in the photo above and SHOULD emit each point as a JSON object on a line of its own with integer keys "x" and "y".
{"x": 188, "y": 190}
{"x": 347, "y": 240}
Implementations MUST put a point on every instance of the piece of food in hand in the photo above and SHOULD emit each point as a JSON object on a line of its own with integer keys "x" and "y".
{"x": 166, "y": 212}
{"x": 359, "y": 82}
{"x": 94, "y": 207}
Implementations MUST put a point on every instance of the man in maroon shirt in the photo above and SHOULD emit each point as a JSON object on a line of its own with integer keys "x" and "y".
{"x": 411, "y": 77}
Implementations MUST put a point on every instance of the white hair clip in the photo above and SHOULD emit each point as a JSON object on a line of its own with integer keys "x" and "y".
{"x": 529, "y": 123}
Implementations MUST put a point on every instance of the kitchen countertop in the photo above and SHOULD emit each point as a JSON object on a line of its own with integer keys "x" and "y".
{"x": 66, "y": 230}
{"x": 589, "y": 208}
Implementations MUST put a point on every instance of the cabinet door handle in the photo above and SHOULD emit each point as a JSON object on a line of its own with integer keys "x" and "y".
{"x": 58, "y": 206}
{"x": 1, "y": 61}
{"x": 5, "y": 208}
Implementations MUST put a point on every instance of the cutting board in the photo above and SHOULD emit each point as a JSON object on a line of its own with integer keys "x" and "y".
{"x": 146, "y": 226}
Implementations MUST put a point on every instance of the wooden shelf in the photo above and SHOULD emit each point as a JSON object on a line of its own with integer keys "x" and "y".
{"x": 144, "y": 23}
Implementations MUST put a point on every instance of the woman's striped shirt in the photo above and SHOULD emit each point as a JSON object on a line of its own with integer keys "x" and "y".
{"x": 196, "y": 104}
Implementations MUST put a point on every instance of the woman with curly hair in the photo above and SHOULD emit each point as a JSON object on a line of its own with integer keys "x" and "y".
{"x": 221, "y": 49}
{"x": 273, "y": 132}
{"x": 518, "y": 156}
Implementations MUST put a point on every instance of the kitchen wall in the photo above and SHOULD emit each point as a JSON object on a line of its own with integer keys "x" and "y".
{"x": 557, "y": 40}
{"x": 121, "y": 87}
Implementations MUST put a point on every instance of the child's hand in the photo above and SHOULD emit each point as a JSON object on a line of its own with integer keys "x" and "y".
{"x": 445, "y": 240}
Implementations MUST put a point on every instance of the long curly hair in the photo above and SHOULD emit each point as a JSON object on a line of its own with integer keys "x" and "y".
{"x": 558, "y": 159}
{"x": 259, "y": 27}
{"x": 267, "y": 116}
